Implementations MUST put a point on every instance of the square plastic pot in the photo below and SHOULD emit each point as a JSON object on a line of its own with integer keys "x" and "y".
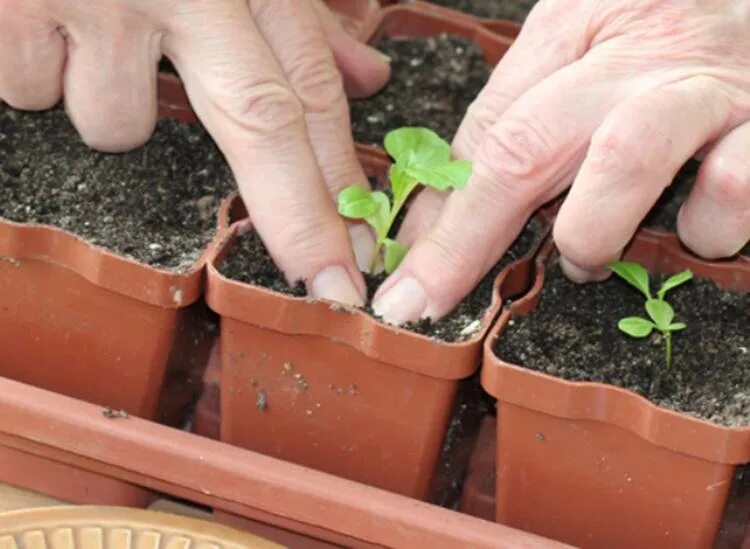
{"x": 84, "y": 322}
{"x": 599, "y": 466}
{"x": 419, "y": 20}
{"x": 333, "y": 388}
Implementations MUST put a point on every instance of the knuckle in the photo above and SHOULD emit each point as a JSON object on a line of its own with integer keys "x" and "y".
{"x": 515, "y": 149}
{"x": 264, "y": 109}
{"x": 618, "y": 149}
{"x": 454, "y": 266}
{"x": 728, "y": 181}
{"x": 308, "y": 237}
{"x": 318, "y": 85}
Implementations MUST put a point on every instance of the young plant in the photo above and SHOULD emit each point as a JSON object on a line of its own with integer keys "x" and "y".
{"x": 420, "y": 156}
{"x": 661, "y": 314}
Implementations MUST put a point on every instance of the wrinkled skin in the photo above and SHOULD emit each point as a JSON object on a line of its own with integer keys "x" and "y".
{"x": 264, "y": 77}
{"x": 613, "y": 97}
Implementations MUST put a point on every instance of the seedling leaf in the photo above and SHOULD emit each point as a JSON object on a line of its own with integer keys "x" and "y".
{"x": 420, "y": 156}
{"x": 677, "y": 326}
{"x": 393, "y": 255}
{"x": 674, "y": 281}
{"x": 402, "y": 182}
{"x": 417, "y": 146}
{"x": 452, "y": 175}
{"x": 379, "y": 218}
{"x": 660, "y": 312}
{"x": 356, "y": 203}
{"x": 633, "y": 274}
{"x": 636, "y": 326}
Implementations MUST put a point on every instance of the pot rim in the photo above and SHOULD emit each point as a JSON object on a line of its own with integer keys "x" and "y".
{"x": 216, "y": 474}
{"x": 353, "y": 326}
{"x": 594, "y": 401}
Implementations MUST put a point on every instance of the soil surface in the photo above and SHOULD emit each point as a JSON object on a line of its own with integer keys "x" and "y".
{"x": 664, "y": 214}
{"x": 573, "y": 334}
{"x": 517, "y": 10}
{"x": 433, "y": 82}
{"x": 156, "y": 204}
{"x": 249, "y": 262}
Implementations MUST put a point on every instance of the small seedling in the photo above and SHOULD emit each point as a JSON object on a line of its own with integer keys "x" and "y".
{"x": 661, "y": 314}
{"x": 420, "y": 156}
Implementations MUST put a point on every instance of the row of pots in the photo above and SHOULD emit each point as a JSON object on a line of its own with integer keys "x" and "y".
{"x": 670, "y": 458}
{"x": 60, "y": 293}
{"x": 388, "y": 426}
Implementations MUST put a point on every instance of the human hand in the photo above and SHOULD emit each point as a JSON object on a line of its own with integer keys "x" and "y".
{"x": 261, "y": 75}
{"x": 616, "y": 96}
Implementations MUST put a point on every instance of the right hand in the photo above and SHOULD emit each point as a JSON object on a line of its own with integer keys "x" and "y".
{"x": 263, "y": 77}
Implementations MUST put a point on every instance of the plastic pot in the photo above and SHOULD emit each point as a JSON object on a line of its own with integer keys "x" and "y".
{"x": 504, "y": 27}
{"x": 80, "y": 320}
{"x": 417, "y": 21}
{"x": 599, "y": 466}
{"x": 333, "y": 388}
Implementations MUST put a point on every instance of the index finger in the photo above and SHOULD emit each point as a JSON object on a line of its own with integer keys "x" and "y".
{"x": 240, "y": 94}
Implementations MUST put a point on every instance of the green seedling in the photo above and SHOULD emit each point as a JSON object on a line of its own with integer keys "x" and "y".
{"x": 661, "y": 314}
{"x": 420, "y": 157}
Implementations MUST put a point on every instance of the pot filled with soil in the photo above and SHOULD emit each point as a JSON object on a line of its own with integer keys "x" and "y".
{"x": 439, "y": 64}
{"x": 101, "y": 265}
{"x": 335, "y": 388}
{"x": 609, "y": 440}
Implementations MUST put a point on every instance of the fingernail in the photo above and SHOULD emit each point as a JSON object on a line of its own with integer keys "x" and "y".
{"x": 580, "y": 275}
{"x": 363, "y": 244}
{"x": 384, "y": 57}
{"x": 405, "y": 301}
{"x": 333, "y": 283}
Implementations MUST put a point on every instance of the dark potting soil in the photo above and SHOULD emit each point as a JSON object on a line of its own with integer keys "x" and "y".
{"x": 573, "y": 335}
{"x": 664, "y": 214}
{"x": 249, "y": 262}
{"x": 433, "y": 82}
{"x": 517, "y": 10}
{"x": 166, "y": 66}
{"x": 156, "y": 204}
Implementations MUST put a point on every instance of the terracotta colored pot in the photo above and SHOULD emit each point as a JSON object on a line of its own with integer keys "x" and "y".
{"x": 599, "y": 466}
{"x": 415, "y": 20}
{"x": 84, "y": 322}
{"x": 503, "y": 27}
{"x": 334, "y": 389}
{"x": 478, "y": 498}
{"x": 231, "y": 480}
{"x": 658, "y": 233}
